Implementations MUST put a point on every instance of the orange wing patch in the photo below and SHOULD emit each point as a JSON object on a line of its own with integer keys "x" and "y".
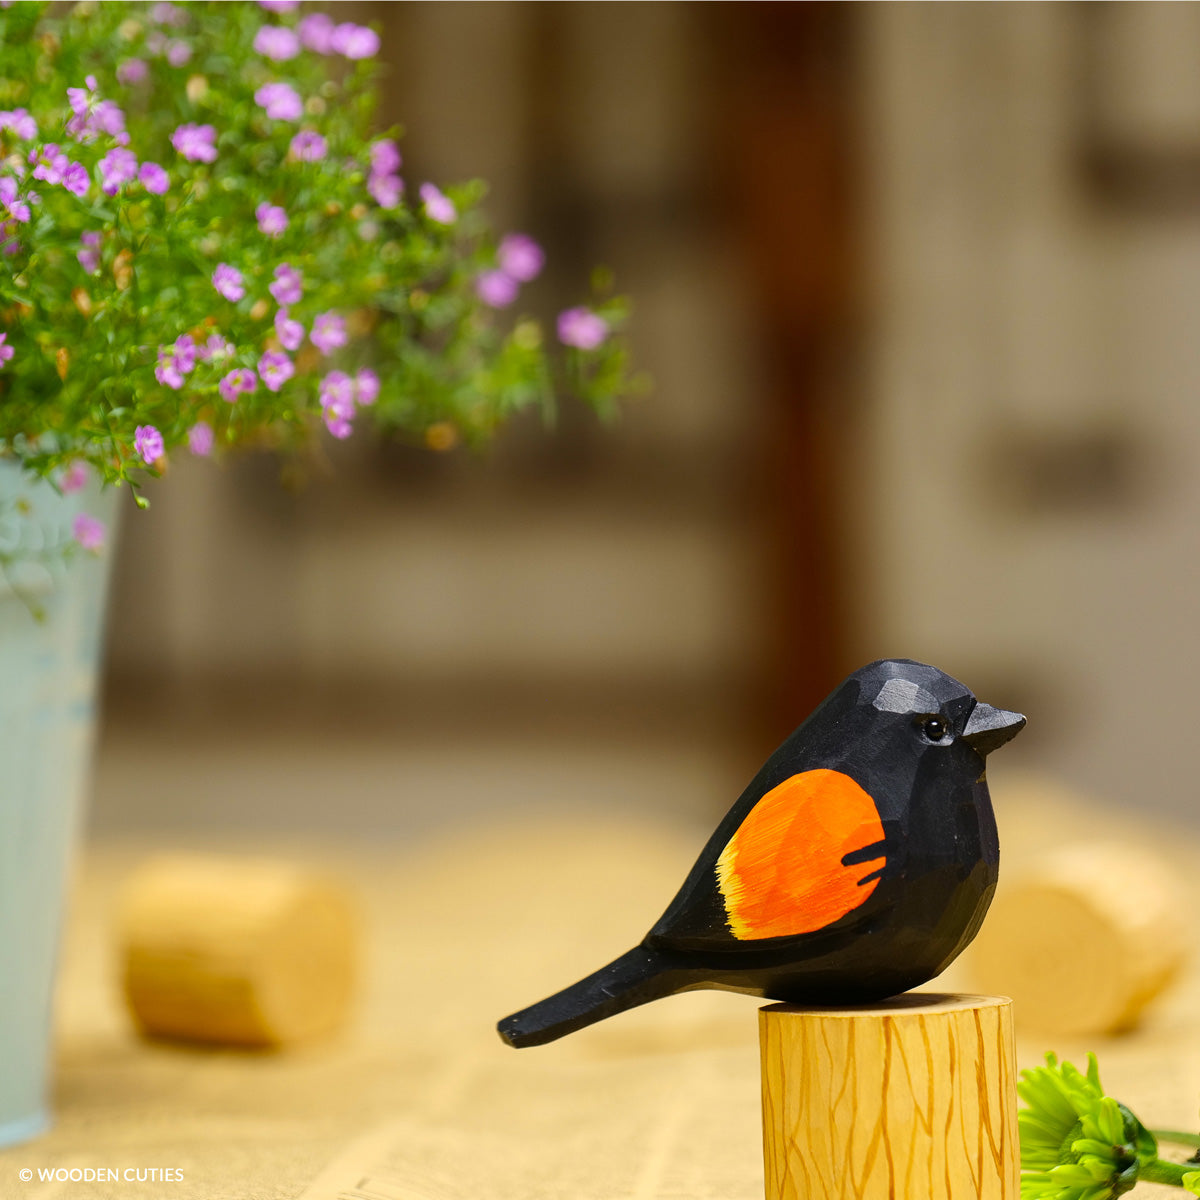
{"x": 782, "y": 873}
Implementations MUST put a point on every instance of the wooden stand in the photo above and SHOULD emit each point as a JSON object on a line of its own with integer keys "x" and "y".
{"x": 1085, "y": 939}
{"x": 911, "y": 1099}
{"x": 236, "y": 951}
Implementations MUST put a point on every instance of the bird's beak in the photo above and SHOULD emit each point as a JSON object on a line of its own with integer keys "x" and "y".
{"x": 989, "y": 728}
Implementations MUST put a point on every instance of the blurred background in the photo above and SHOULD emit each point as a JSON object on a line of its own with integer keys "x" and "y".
{"x": 919, "y": 287}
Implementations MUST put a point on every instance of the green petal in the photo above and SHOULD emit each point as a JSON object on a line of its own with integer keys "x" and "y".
{"x": 1098, "y": 1149}
{"x": 1075, "y": 1173}
{"x": 1037, "y": 1127}
{"x": 1110, "y": 1121}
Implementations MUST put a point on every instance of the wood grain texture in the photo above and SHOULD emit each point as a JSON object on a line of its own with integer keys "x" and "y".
{"x": 1085, "y": 939}
{"x": 911, "y": 1099}
{"x": 246, "y": 952}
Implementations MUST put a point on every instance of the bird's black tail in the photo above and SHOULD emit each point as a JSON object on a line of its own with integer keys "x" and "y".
{"x": 635, "y": 978}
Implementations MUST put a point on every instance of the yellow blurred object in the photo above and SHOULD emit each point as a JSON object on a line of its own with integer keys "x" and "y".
{"x": 1084, "y": 939}
{"x": 441, "y": 436}
{"x": 236, "y": 951}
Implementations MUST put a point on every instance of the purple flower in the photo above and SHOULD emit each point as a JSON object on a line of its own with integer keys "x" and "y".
{"x": 337, "y": 424}
{"x": 438, "y": 207}
{"x": 520, "y": 256}
{"x": 242, "y": 379}
{"x": 196, "y": 142}
{"x": 354, "y": 41}
{"x": 214, "y": 349}
{"x": 92, "y": 116}
{"x": 582, "y": 328}
{"x": 168, "y": 14}
{"x": 154, "y": 178}
{"x": 52, "y": 163}
{"x": 168, "y": 372}
{"x": 76, "y": 179}
{"x": 89, "y": 256}
{"x": 228, "y": 281}
{"x": 174, "y": 362}
{"x": 308, "y": 146}
{"x": 338, "y": 388}
{"x": 80, "y": 99}
{"x": 272, "y": 220}
{"x": 20, "y": 122}
{"x": 496, "y": 288}
{"x": 148, "y": 442}
{"x": 275, "y": 370}
{"x": 6, "y": 351}
{"x": 185, "y": 351}
{"x": 109, "y": 118}
{"x": 385, "y": 157}
{"x": 366, "y": 386}
{"x": 316, "y": 32}
{"x": 179, "y": 52}
{"x": 328, "y": 332}
{"x": 23, "y": 125}
{"x": 74, "y": 478}
{"x": 88, "y": 531}
{"x": 200, "y": 439}
{"x": 116, "y": 168}
{"x": 337, "y": 403}
{"x": 277, "y": 42}
{"x": 8, "y": 197}
{"x": 132, "y": 70}
{"x": 290, "y": 333}
{"x": 279, "y": 6}
{"x": 386, "y": 189}
{"x": 281, "y": 101}
{"x": 287, "y": 286}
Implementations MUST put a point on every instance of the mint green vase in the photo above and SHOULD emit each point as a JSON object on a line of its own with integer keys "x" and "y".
{"x": 48, "y": 673}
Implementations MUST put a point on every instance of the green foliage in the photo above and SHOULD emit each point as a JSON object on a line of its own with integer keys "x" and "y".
{"x": 87, "y": 336}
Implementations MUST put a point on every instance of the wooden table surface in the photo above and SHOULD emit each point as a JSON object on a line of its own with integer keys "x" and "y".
{"x": 461, "y": 929}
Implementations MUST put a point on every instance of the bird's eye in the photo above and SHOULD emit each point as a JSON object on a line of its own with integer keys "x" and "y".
{"x": 935, "y": 728}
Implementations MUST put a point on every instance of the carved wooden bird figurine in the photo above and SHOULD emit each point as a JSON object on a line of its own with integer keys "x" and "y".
{"x": 858, "y": 863}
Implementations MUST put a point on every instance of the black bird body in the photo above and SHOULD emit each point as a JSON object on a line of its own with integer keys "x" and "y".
{"x": 857, "y": 864}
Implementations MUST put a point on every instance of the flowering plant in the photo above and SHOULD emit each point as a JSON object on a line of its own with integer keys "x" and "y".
{"x": 202, "y": 244}
{"x": 1079, "y": 1144}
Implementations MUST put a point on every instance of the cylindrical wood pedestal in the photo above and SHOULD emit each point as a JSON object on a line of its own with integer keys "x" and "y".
{"x": 911, "y": 1099}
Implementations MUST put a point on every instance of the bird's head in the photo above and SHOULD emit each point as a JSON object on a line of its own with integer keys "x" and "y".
{"x": 928, "y": 709}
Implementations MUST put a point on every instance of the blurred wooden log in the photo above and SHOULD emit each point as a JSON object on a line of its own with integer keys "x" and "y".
{"x": 247, "y": 952}
{"x": 1085, "y": 939}
{"x": 911, "y": 1099}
